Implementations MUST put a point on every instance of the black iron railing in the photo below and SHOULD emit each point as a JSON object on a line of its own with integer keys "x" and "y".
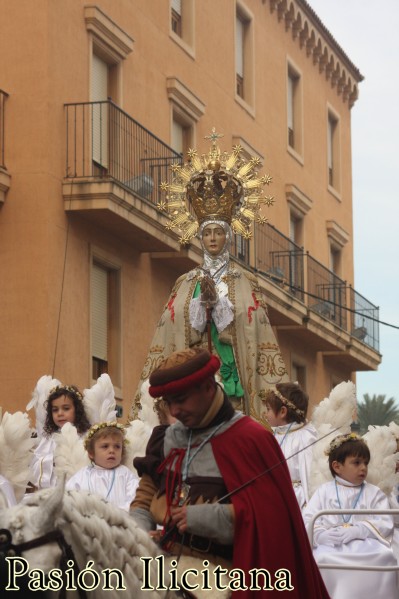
{"x": 286, "y": 263}
{"x": 327, "y": 292}
{"x": 279, "y": 258}
{"x": 240, "y": 249}
{"x": 364, "y": 319}
{"x": 3, "y": 97}
{"x": 104, "y": 141}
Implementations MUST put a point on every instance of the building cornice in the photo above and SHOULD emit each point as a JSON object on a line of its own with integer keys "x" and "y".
{"x": 315, "y": 39}
{"x": 108, "y": 32}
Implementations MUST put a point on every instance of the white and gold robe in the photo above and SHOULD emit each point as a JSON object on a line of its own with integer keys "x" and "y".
{"x": 256, "y": 351}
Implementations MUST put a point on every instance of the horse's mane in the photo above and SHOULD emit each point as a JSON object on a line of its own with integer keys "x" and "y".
{"x": 99, "y": 531}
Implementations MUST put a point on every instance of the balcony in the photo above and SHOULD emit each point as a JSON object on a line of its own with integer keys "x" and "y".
{"x": 5, "y": 178}
{"x": 114, "y": 167}
{"x": 313, "y": 303}
{"x": 113, "y": 171}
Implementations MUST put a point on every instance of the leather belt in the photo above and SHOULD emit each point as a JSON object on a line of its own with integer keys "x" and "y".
{"x": 204, "y": 545}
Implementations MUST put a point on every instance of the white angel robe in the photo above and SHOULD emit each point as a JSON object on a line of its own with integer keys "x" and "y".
{"x": 292, "y": 438}
{"x": 42, "y": 471}
{"x": 116, "y": 485}
{"x": 375, "y": 550}
{"x": 8, "y": 491}
{"x": 394, "y": 503}
{"x": 42, "y": 466}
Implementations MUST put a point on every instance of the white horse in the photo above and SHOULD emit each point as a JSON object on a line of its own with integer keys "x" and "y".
{"x": 104, "y": 540}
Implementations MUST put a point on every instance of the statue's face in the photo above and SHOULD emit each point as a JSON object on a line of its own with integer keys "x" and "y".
{"x": 214, "y": 239}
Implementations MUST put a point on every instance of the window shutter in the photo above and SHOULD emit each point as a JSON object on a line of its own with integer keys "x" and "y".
{"x": 176, "y": 6}
{"x": 239, "y": 47}
{"x": 99, "y": 312}
{"x": 99, "y": 79}
{"x": 330, "y": 143}
{"x": 177, "y": 137}
{"x": 290, "y": 102}
{"x": 99, "y": 92}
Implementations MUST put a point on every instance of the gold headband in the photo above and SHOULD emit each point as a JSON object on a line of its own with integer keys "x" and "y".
{"x": 68, "y": 389}
{"x": 97, "y": 427}
{"x": 338, "y": 441}
{"x": 284, "y": 401}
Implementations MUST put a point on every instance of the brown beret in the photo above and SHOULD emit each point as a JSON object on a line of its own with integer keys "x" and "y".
{"x": 182, "y": 370}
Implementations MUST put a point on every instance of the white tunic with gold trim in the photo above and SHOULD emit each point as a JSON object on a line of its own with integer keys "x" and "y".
{"x": 256, "y": 351}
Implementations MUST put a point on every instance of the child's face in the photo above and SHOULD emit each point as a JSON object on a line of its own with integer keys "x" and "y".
{"x": 62, "y": 410}
{"x": 353, "y": 470}
{"x": 273, "y": 418}
{"x": 107, "y": 451}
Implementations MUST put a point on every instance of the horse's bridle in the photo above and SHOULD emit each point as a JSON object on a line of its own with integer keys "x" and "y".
{"x": 8, "y": 549}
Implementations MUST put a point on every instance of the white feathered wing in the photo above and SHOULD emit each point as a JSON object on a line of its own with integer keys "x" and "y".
{"x": 16, "y": 446}
{"x": 39, "y": 397}
{"x": 99, "y": 401}
{"x": 337, "y": 411}
{"x": 382, "y": 442}
{"x": 70, "y": 454}
{"x": 139, "y": 431}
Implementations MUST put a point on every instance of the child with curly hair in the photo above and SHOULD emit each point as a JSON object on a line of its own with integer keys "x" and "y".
{"x": 106, "y": 476}
{"x": 352, "y": 539}
{"x": 64, "y": 404}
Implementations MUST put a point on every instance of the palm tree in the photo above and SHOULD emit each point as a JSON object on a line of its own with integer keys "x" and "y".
{"x": 376, "y": 410}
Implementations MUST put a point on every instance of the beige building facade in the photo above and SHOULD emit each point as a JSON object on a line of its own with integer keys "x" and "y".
{"x": 97, "y": 101}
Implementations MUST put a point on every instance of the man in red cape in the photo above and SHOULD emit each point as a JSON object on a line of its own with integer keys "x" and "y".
{"x": 211, "y": 452}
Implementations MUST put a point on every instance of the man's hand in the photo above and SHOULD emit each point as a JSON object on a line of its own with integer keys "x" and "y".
{"x": 179, "y": 518}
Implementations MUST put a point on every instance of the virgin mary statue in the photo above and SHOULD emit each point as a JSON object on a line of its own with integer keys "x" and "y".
{"x": 219, "y": 305}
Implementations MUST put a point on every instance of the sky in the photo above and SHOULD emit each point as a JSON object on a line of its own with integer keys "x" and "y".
{"x": 368, "y": 32}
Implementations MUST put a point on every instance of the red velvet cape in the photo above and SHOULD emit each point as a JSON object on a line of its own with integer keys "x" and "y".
{"x": 269, "y": 530}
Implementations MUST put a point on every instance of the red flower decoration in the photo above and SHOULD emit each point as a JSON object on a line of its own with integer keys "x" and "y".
{"x": 171, "y": 308}
{"x": 252, "y": 308}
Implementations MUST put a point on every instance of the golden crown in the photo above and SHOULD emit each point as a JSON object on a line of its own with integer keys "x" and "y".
{"x": 218, "y": 186}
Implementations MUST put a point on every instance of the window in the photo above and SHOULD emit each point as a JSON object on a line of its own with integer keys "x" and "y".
{"x": 176, "y": 19}
{"x": 240, "y": 30}
{"x": 99, "y": 95}
{"x": 5, "y": 178}
{"x": 298, "y": 374}
{"x": 182, "y": 24}
{"x": 105, "y": 321}
{"x": 186, "y": 110}
{"x": 335, "y": 260}
{"x": 294, "y": 109}
{"x": 240, "y": 248}
{"x": 244, "y": 55}
{"x": 337, "y": 238}
{"x": 182, "y": 134}
{"x": 109, "y": 47}
{"x": 291, "y": 89}
{"x": 296, "y": 228}
{"x": 3, "y": 97}
{"x": 295, "y": 257}
{"x": 333, "y": 151}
